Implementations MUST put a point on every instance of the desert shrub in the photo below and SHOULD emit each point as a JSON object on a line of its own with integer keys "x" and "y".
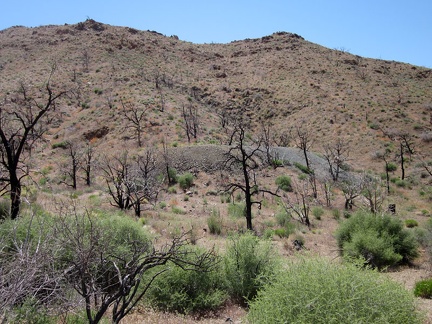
{"x": 4, "y": 209}
{"x": 178, "y": 210}
{"x": 187, "y": 291}
{"x": 237, "y": 210}
{"x": 303, "y": 168}
{"x": 381, "y": 240}
{"x": 172, "y": 175}
{"x": 317, "y": 212}
{"x": 285, "y": 231}
{"x": 249, "y": 263}
{"x": 391, "y": 167}
{"x": 185, "y": 181}
{"x": 317, "y": 290}
{"x": 172, "y": 190}
{"x": 62, "y": 145}
{"x": 284, "y": 183}
{"x": 214, "y": 222}
{"x": 336, "y": 213}
{"x": 401, "y": 183}
{"x": 423, "y": 288}
{"x": 411, "y": 223}
{"x": 283, "y": 217}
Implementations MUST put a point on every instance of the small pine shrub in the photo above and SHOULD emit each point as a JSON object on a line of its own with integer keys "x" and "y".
{"x": 410, "y": 223}
{"x": 284, "y": 183}
{"x": 380, "y": 240}
{"x": 423, "y": 289}
{"x": 317, "y": 290}
{"x": 185, "y": 181}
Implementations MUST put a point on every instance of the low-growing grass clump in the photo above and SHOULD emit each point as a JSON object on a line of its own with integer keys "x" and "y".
{"x": 214, "y": 222}
{"x": 423, "y": 289}
{"x": 381, "y": 240}
{"x": 284, "y": 183}
{"x": 410, "y": 223}
{"x": 186, "y": 180}
{"x": 317, "y": 212}
{"x": 317, "y": 290}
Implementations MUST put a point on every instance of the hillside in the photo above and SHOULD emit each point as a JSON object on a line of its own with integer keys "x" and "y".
{"x": 280, "y": 79}
{"x": 280, "y": 82}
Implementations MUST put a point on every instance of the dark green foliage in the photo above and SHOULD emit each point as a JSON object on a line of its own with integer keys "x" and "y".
{"x": 185, "y": 181}
{"x": 380, "y": 240}
{"x": 317, "y": 212}
{"x": 62, "y": 145}
{"x": 284, "y": 183}
{"x": 316, "y": 290}
{"x": 186, "y": 291}
{"x": 423, "y": 289}
{"x": 249, "y": 263}
{"x": 391, "y": 167}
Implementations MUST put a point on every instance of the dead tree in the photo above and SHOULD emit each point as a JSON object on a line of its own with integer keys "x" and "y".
{"x": 88, "y": 162}
{"x": 118, "y": 177}
{"x": 21, "y": 125}
{"x": 136, "y": 118}
{"x": 336, "y": 155}
{"x": 299, "y": 202}
{"x": 303, "y": 141}
{"x": 351, "y": 188}
{"x": 108, "y": 277}
{"x": 72, "y": 167}
{"x": 406, "y": 146}
{"x": 247, "y": 157}
{"x": 190, "y": 120}
{"x": 373, "y": 193}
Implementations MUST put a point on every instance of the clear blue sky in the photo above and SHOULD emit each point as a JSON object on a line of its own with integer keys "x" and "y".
{"x": 393, "y": 30}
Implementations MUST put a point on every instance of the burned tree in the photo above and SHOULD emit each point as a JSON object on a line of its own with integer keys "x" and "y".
{"x": 136, "y": 118}
{"x": 117, "y": 175}
{"x": 88, "y": 162}
{"x": 336, "y": 155}
{"x": 248, "y": 158}
{"x": 299, "y": 203}
{"x": 72, "y": 167}
{"x": 21, "y": 125}
{"x": 406, "y": 146}
{"x": 190, "y": 120}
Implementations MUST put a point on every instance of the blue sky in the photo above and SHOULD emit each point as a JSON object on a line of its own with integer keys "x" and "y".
{"x": 392, "y": 30}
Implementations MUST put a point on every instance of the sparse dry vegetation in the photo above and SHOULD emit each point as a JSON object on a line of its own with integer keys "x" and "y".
{"x": 146, "y": 133}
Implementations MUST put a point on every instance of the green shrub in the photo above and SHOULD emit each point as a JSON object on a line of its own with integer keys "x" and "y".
{"x": 237, "y": 210}
{"x": 4, "y": 209}
{"x": 336, "y": 213}
{"x": 249, "y": 263}
{"x": 303, "y": 168}
{"x": 391, "y": 167}
{"x": 423, "y": 288}
{"x": 381, "y": 240}
{"x": 214, "y": 222}
{"x": 172, "y": 175}
{"x": 185, "y": 181}
{"x": 178, "y": 210}
{"x": 317, "y": 212}
{"x": 317, "y": 290}
{"x": 62, "y": 145}
{"x": 284, "y": 183}
{"x": 186, "y": 291}
{"x": 172, "y": 190}
{"x": 401, "y": 183}
{"x": 285, "y": 231}
{"x": 283, "y": 217}
{"x": 411, "y": 223}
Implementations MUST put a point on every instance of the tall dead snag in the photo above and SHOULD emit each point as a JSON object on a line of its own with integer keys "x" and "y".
{"x": 351, "y": 188}
{"x": 336, "y": 155}
{"x": 190, "y": 121}
{"x": 406, "y": 146}
{"x": 373, "y": 193}
{"x": 73, "y": 165}
{"x": 21, "y": 125}
{"x": 299, "y": 203}
{"x": 88, "y": 162}
{"x": 136, "y": 118}
{"x": 248, "y": 159}
{"x": 117, "y": 174}
{"x": 303, "y": 141}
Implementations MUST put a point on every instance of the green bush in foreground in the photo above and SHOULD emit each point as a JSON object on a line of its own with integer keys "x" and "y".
{"x": 423, "y": 289}
{"x": 249, "y": 263}
{"x": 381, "y": 240}
{"x": 187, "y": 291}
{"x": 315, "y": 290}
